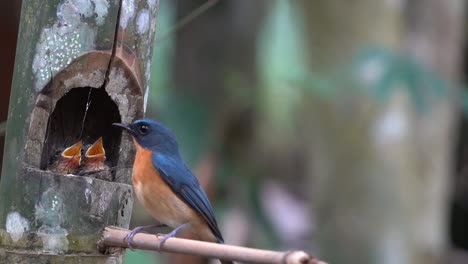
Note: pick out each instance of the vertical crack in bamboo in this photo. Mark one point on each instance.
(114, 45)
(114, 237)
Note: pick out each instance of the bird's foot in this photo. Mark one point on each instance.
(169, 235)
(129, 237)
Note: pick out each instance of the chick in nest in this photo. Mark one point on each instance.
(68, 160)
(94, 162)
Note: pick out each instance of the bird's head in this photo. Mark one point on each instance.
(152, 135)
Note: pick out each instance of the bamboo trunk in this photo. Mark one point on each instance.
(80, 65)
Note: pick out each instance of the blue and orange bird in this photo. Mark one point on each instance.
(165, 185)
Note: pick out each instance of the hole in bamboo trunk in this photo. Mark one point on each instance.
(84, 114)
(56, 121)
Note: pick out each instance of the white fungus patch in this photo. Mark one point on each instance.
(50, 208)
(88, 192)
(67, 38)
(112, 261)
(88, 195)
(128, 11)
(101, 8)
(152, 4)
(148, 72)
(145, 99)
(147, 78)
(54, 239)
(16, 225)
(49, 211)
(142, 21)
(84, 7)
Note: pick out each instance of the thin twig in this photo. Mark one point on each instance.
(187, 19)
(114, 237)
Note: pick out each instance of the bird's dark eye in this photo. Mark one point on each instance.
(144, 129)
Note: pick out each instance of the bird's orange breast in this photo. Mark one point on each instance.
(161, 202)
(156, 196)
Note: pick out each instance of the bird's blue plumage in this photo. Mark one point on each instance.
(164, 154)
(182, 182)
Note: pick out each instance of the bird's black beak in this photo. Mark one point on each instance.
(124, 126)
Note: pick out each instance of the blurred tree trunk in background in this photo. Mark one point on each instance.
(214, 72)
(215, 76)
(438, 43)
(459, 209)
(380, 168)
(215, 81)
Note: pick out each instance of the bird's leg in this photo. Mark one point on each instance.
(129, 237)
(169, 235)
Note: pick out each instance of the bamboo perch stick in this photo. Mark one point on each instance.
(114, 237)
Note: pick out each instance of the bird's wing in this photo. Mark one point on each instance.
(182, 182)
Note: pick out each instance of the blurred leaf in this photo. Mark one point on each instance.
(382, 71)
(378, 72)
(281, 52)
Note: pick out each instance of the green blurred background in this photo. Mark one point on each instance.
(336, 127)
